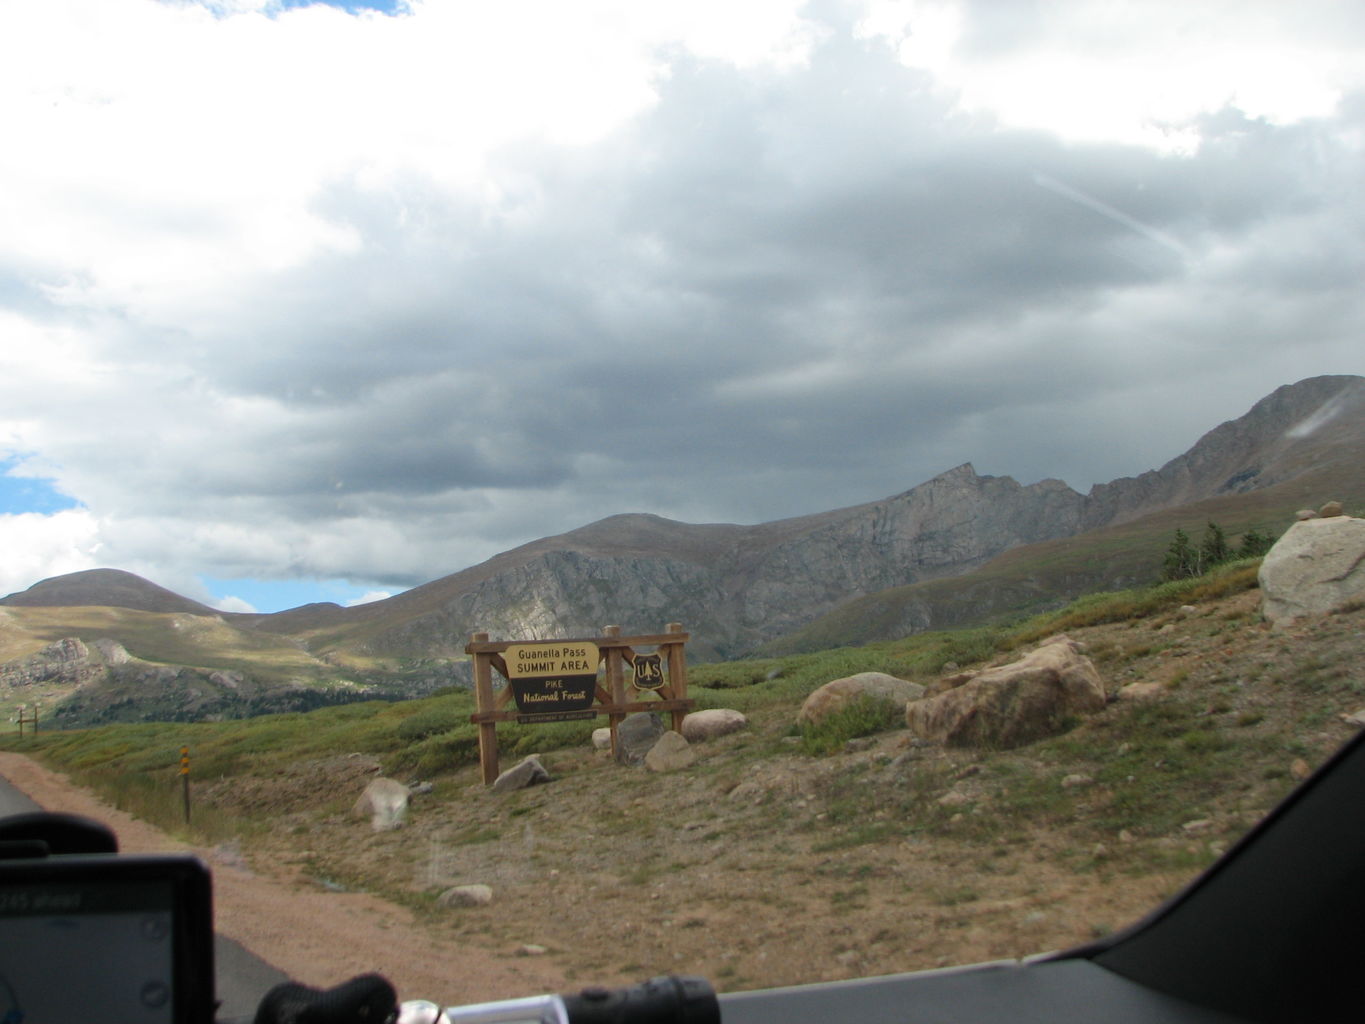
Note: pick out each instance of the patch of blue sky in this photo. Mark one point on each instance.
(351, 6)
(29, 494)
(226, 8)
(268, 596)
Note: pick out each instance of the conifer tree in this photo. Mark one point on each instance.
(1213, 549)
(1182, 561)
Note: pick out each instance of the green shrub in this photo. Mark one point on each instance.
(861, 716)
(431, 722)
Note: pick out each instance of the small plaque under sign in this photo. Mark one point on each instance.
(555, 716)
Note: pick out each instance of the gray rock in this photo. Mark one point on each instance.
(636, 735)
(670, 753)
(530, 772)
(384, 802)
(466, 896)
(1317, 567)
(1009, 705)
(712, 722)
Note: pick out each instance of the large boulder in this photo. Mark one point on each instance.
(1317, 567)
(838, 694)
(1039, 695)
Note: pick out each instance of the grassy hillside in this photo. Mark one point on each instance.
(786, 856)
(177, 638)
(795, 856)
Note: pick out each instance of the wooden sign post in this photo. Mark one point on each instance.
(557, 681)
(29, 720)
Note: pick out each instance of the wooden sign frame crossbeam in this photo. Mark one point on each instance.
(615, 651)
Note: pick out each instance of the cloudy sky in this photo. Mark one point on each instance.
(305, 301)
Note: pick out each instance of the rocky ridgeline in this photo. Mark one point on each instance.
(736, 587)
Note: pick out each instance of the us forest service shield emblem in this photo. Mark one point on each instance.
(649, 671)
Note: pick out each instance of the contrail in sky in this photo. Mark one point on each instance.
(1104, 209)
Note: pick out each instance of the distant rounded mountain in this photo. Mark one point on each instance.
(104, 588)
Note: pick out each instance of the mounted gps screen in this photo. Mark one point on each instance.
(105, 938)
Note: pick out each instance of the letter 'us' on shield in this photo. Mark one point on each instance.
(649, 671)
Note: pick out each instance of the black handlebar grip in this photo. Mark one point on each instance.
(366, 999)
(671, 999)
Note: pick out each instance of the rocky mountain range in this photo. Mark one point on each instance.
(736, 588)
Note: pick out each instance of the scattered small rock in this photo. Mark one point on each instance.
(466, 896)
(1141, 691)
(1299, 769)
(1197, 826)
(529, 772)
(750, 791)
(229, 854)
(1072, 781)
(531, 949)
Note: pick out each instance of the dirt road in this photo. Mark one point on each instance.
(315, 936)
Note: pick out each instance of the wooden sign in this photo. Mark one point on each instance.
(558, 678)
